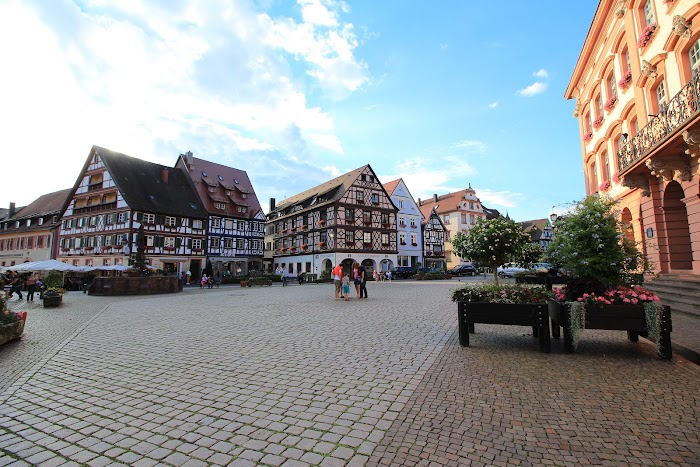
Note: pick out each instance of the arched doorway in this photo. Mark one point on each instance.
(326, 265)
(680, 253)
(369, 266)
(347, 266)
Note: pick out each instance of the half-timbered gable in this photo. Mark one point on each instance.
(433, 231)
(350, 217)
(236, 223)
(114, 195)
(409, 219)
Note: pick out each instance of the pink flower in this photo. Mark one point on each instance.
(626, 300)
(634, 301)
(643, 297)
(586, 295)
(580, 299)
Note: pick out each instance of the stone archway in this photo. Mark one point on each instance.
(347, 266)
(678, 234)
(370, 266)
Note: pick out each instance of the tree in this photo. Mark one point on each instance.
(532, 253)
(589, 244)
(492, 242)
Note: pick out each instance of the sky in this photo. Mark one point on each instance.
(443, 94)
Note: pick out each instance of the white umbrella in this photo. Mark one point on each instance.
(85, 268)
(22, 267)
(49, 265)
(116, 267)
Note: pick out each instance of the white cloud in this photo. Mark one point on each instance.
(153, 80)
(541, 73)
(532, 90)
(493, 105)
(472, 144)
(498, 199)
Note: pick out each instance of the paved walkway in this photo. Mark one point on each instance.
(288, 376)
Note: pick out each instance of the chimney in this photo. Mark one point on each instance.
(166, 175)
(435, 197)
(189, 160)
(418, 202)
(272, 204)
(12, 210)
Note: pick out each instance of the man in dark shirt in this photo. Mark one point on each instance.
(362, 273)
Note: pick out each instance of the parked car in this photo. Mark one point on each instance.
(510, 269)
(542, 267)
(463, 270)
(425, 270)
(402, 272)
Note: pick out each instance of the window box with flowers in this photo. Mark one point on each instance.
(283, 231)
(402, 224)
(321, 222)
(292, 230)
(605, 186)
(304, 246)
(438, 253)
(304, 227)
(283, 250)
(321, 244)
(598, 121)
(587, 137)
(414, 244)
(626, 80)
(646, 35)
(428, 253)
(402, 243)
(610, 103)
(616, 177)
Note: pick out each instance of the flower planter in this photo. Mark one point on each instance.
(518, 314)
(244, 283)
(12, 331)
(630, 318)
(52, 301)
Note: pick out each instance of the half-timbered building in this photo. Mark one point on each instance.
(236, 222)
(408, 226)
(114, 195)
(348, 219)
(433, 232)
(28, 234)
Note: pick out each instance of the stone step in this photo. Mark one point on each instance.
(681, 306)
(661, 288)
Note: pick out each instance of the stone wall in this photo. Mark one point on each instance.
(135, 285)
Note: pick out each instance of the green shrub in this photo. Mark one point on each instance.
(54, 279)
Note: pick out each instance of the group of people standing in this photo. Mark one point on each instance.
(341, 281)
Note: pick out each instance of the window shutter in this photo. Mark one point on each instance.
(160, 241)
(138, 216)
(189, 243)
(178, 242)
(160, 219)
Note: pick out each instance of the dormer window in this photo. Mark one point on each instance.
(16, 224)
(221, 178)
(29, 222)
(204, 174)
(235, 180)
(212, 189)
(41, 221)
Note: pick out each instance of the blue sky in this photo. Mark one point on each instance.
(443, 94)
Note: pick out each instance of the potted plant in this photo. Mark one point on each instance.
(11, 323)
(494, 303)
(53, 295)
(601, 263)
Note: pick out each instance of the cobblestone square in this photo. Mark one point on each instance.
(289, 376)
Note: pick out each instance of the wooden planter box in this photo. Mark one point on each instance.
(52, 301)
(630, 318)
(244, 283)
(259, 281)
(12, 331)
(526, 314)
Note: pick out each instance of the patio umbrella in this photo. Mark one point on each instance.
(49, 265)
(22, 267)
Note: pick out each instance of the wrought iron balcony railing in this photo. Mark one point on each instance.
(681, 108)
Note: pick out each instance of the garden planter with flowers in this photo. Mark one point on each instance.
(516, 305)
(11, 323)
(633, 309)
(602, 262)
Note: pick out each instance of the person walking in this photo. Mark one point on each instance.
(337, 273)
(15, 286)
(217, 279)
(362, 272)
(204, 280)
(300, 277)
(31, 287)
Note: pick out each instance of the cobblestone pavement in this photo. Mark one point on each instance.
(288, 376)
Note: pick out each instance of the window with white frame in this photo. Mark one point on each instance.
(401, 204)
(385, 239)
(413, 221)
(196, 224)
(228, 242)
(446, 219)
(402, 238)
(463, 215)
(196, 244)
(612, 86)
(627, 60)
(661, 97)
(599, 105)
(88, 262)
(360, 196)
(606, 166)
(694, 55)
(649, 13)
(149, 240)
(215, 223)
(215, 242)
(170, 221)
(106, 262)
(402, 221)
(472, 219)
(240, 244)
(414, 239)
(169, 242)
(123, 216)
(149, 218)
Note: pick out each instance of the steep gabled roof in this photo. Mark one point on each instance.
(491, 213)
(330, 191)
(221, 177)
(142, 185)
(391, 186)
(44, 205)
(449, 202)
(535, 228)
